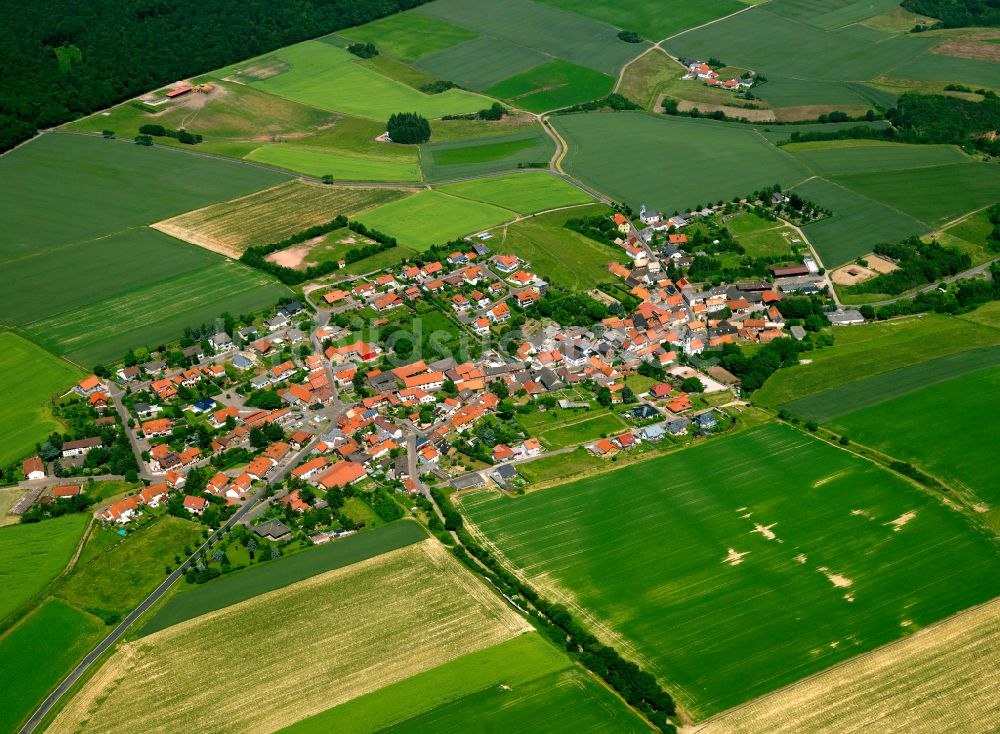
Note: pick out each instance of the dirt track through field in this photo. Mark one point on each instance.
(265, 663)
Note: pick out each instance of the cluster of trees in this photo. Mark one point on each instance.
(611, 102)
(408, 128)
(807, 312)
(672, 107)
(993, 238)
(919, 263)
(956, 13)
(385, 506)
(638, 687)
(597, 227)
(57, 508)
(158, 131)
(256, 257)
(963, 296)
(754, 371)
(495, 111)
(128, 48)
(363, 50)
(570, 309)
(437, 86)
(630, 36)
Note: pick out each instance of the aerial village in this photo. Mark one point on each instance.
(316, 401)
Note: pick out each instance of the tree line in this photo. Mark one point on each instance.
(956, 13)
(127, 47)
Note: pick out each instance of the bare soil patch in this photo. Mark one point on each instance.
(853, 273)
(974, 46)
(729, 110)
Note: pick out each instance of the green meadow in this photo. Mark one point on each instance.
(521, 685)
(458, 158)
(408, 36)
(524, 193)
(482, 62)
(252, 582)
(32, 555)
(35, 655)
(431, 217)
(846, 157)
(770, 541)
(318, 162)
(31, 377)
(327, 77)
(552, 86)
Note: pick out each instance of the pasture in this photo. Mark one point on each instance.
(928, 428)
(155, 313)
(943, 679)
(230, 227)
(858, 222)
(650, 18)
(36, 654)
(708, 160)
(560, 255)
(770, 541)
(431, 217)
(876, 348)
(648, 75)
(524, 193)
(32, 555)
(317, 162)
(408, 36)
(457, 158)
(518, 685)
(245, 585)
(117, 578)
(327, 77)
(25, 394)
(553, 86)
(356, 611)
(545, 29)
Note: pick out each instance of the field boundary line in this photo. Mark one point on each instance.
(861, 656)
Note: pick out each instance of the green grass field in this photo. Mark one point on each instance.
(318, 162)
(409, 36)
(453, 159)
(561, 466)
(759, 237)
(863, 351)
(327, 77)
(482, 62)
(624, 154)
(770, 541)
(520, 685)
(36, 654)
(155, 313)
(847, 157)
(524, 193)
(258, 580)
(552, 86)
(31, 377)
(932, 428)
(123, 575)
(431, 217)
(551, 31)
(830, 14)
(852, 396)
(559, 255)
(858, 222)
(32, 555)
(649, 17)
(934, 195)
(585, 428)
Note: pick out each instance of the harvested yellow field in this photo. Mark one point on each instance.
(230, 227)
(265, 663)
(944, 678)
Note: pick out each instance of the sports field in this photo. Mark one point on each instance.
(770, 541)
(520, 685)
(561, 256)
(31, 377)
(388, 618)
(932, 428)
(244, 585)
(318, 162)
(524, 193)
(327, 77)
(553, 86)
(650, 18)
(858, 222)
(409, 36)
(543, 28)
(271, 215)
(35, 655)
(452, 159)
(941, 679)
(32, 555)
(624, 155)
(155, 313)
(430, 218)
(876, 348)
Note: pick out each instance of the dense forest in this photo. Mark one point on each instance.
(958, 13)
(61, 59)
